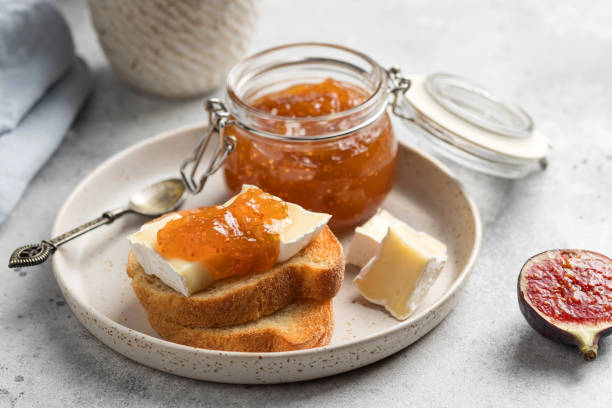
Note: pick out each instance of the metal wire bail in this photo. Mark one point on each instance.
(398, 87)
(218, 119)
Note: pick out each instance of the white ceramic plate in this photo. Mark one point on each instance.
(91, 269)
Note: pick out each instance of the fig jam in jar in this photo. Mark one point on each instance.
(313, 129)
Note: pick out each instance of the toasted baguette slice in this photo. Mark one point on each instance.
(299, 325)
(315, 273)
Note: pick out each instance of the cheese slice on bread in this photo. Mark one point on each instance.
(189, 277)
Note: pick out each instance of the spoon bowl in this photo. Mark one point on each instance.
(158, 198)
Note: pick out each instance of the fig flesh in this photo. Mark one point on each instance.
(566, 295)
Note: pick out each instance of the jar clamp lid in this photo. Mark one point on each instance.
(453, 116)
(470, 125)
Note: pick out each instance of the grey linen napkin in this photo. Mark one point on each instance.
(34, 116)
(35, 50)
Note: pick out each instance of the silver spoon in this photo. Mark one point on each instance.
(152, 201)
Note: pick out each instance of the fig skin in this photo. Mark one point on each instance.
(586, 341)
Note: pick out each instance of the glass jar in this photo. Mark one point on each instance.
(341, 163)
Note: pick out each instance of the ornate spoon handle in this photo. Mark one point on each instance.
(34, 254)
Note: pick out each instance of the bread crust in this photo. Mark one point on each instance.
(316, 273)
(298, 326)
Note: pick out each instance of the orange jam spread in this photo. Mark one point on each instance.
(308, 100)
(234, 239)
(347, 176)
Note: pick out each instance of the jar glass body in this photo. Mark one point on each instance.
(343, 164)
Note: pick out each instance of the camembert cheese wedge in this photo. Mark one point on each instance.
(405, 264)
(191, 277)
(367, 238)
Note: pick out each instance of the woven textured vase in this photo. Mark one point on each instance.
(174, 48)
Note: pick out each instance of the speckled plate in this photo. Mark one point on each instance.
(91, 269)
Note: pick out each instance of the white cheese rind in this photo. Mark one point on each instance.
(191, 277)
(399, 276)
(367, 238)
(304, 227)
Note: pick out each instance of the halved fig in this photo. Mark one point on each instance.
(566, 295)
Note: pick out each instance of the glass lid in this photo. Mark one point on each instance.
(472, 126)
(478, 106)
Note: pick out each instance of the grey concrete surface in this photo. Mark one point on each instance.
(554, 57)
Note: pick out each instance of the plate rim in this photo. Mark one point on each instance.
(458, 282)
